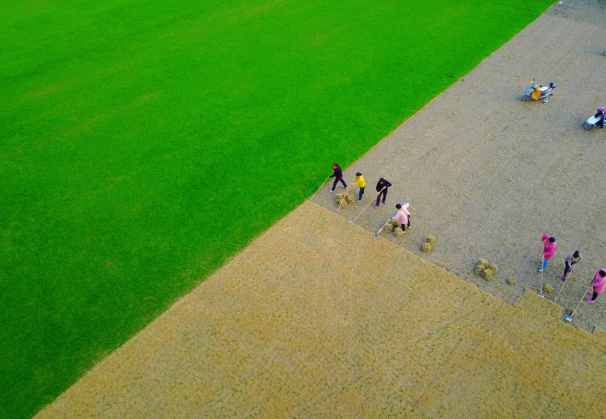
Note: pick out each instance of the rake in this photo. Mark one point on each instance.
(568, 276)
(541, 292)
(312, 197)
(569, 318)
(354, 220)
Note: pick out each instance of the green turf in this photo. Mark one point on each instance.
(144, 142)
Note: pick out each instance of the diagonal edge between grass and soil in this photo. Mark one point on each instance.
(120, 384)
(100, 237)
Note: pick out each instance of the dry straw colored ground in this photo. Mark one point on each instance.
(317, 319)
(488, 175)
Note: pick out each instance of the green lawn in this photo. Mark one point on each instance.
(145, 142)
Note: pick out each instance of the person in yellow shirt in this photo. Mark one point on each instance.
(536, 93)
(361, 183)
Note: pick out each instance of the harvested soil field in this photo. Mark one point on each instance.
(488, 174)
(317, 319)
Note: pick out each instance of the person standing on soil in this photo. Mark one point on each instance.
(571, 259)
(548, 250)
(361, 183)
(403, 215)
(382, 186)
(598, 284)
(337, 173)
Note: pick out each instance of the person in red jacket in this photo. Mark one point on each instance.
(337, 173)
(598, 284)
(549, 249)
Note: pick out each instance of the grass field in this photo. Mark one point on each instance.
(143, 143)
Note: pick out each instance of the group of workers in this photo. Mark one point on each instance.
(383, 185)
(403, 216)
(599, 280)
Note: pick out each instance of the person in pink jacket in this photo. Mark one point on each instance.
(549, 249)
(598, 284)
(403, 215)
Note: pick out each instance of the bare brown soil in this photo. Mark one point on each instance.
(488, 174)
(316, 319)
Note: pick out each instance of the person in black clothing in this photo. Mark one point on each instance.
(337, 173)
(382, 187)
